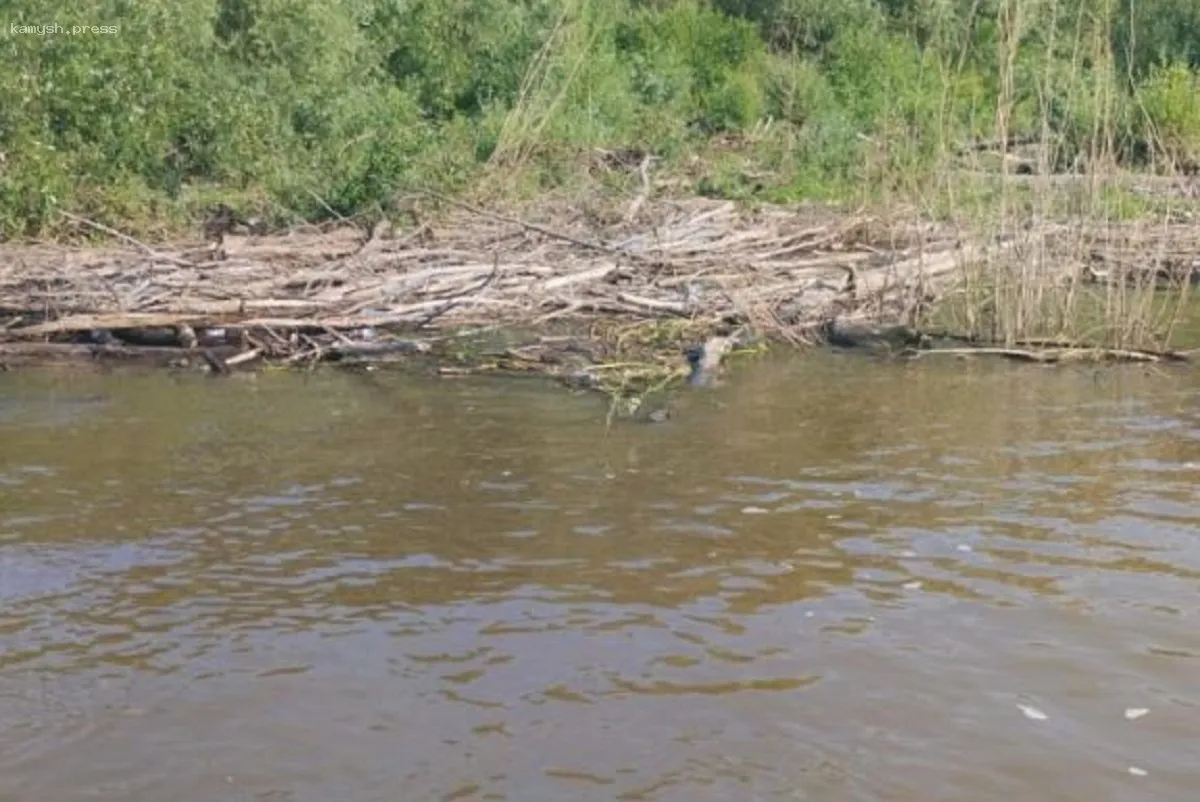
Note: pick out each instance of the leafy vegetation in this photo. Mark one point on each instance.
(308, 109)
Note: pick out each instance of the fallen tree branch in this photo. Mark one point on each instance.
(112, 232)
(1051, 356)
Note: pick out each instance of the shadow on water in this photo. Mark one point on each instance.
(830, 579)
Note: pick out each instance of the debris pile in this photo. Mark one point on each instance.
(596, 295)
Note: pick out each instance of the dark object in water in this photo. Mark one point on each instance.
(181, 336)
(159, 336)
(857, 334)
(697, 377)
(705, 360)
(215, 363)
(97, 337)
(580, 380)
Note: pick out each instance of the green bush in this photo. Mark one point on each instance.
(1170, 96)
(312, 108)
(1151, 33)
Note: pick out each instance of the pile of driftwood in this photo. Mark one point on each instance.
(698, 268)
(309, 295)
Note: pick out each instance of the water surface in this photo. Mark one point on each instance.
(830, 579)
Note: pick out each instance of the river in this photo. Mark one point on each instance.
(829, 579)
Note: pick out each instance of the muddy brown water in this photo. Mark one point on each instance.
(827, 580)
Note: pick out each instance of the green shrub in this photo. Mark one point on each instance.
(1170, 97)
(316, 108)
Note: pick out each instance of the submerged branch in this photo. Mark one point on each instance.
(1057, 355)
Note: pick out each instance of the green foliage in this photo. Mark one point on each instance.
(1150, 33)
(703, 63)
(309, 108)
(805, 26)
(457, 55)
(1170, 97)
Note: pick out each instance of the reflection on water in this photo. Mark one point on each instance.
(829, 580)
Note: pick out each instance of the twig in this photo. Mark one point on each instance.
(455, 299)
(652, 304)
(595, 246)
(337, 335)
(326, 206)
(245, 356)
(640, 200)
(114, 233)
(1060, 355)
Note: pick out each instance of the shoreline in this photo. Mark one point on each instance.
(613, 299)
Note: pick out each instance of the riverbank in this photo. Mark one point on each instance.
(608, 294)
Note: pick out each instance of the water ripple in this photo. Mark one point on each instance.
(835, 597)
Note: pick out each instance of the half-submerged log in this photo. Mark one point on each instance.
(844, 333)
(26, 354)
(364, 350)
